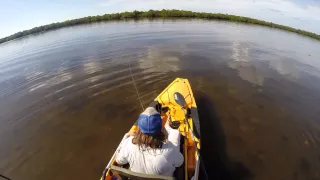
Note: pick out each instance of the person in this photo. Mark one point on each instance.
(153, 149)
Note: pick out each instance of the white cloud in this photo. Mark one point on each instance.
(110, 2)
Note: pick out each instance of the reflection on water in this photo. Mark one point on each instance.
(157, 60)
(67, 96)
(241, 56)
(58, 78)
(240, 52)
(92, 66)
(285, 67)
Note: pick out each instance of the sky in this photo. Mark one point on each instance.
(18, 15)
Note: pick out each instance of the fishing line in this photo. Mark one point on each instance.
(135, 86)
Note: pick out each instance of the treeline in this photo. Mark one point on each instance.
(155, 14)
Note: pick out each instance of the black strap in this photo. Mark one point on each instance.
(4, 177)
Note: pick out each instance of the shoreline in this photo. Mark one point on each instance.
(155, 14)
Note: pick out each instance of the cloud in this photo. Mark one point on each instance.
(274, 10)
(306, 3)
(110, 2)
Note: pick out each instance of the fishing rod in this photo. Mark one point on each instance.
(4, 177)
(179, 99)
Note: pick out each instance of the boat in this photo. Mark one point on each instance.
(178, 102)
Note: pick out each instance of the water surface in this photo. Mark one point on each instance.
(67, 96)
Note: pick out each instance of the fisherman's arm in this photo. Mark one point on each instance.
(122, 155)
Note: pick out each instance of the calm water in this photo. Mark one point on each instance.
(67, 97)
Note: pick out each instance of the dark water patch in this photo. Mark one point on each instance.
(304, 165)
(217, 163)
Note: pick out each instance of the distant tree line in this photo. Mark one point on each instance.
(155, 14)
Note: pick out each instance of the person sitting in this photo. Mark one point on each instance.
(152, 150)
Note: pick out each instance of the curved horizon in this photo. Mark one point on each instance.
(154, 14)
(20, 15)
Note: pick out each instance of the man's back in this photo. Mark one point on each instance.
(149, 161)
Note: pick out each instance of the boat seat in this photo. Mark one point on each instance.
(127, 174)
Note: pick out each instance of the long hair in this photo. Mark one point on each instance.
(145, 141)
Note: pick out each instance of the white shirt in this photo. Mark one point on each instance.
(159, 162)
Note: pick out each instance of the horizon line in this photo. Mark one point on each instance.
(144, 14)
